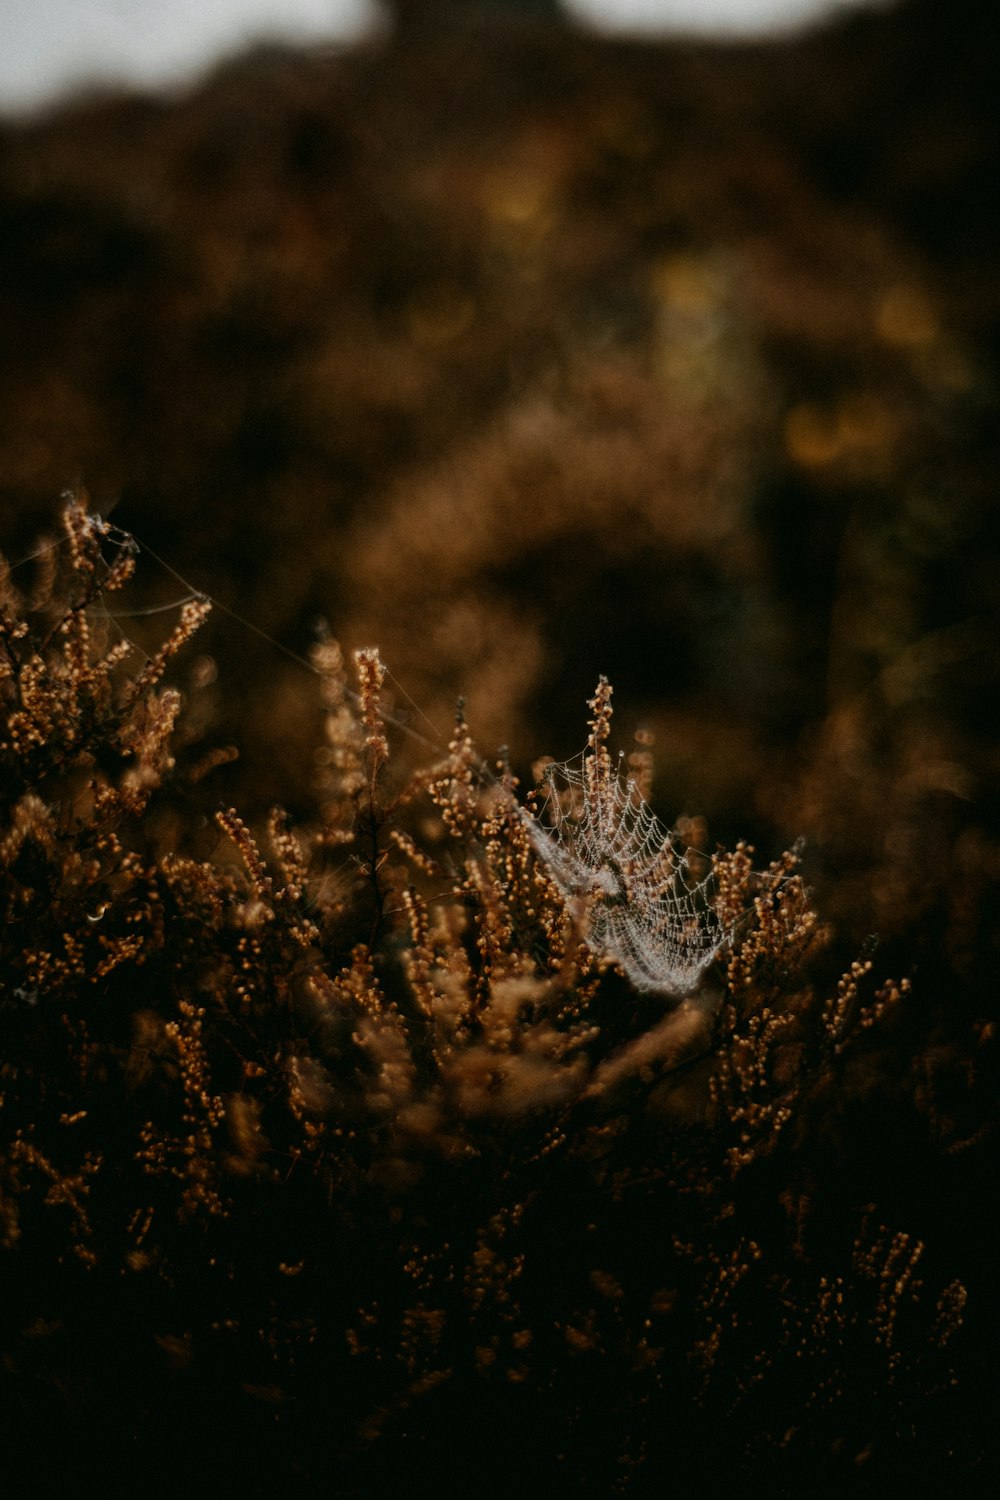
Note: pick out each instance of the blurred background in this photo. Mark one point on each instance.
(51, 47)
(532, 342)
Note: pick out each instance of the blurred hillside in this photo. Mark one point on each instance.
(530, 355)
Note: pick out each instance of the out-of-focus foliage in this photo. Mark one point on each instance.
(530, 356)
(340, 1158)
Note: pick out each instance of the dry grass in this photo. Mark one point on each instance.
(342, 1154)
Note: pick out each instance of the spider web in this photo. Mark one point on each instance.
(647, 901)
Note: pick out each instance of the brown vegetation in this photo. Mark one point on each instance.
(329, 1146)
(345, 1155)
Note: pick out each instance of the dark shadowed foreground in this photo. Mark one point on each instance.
(353, 1155)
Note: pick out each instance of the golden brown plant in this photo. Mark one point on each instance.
(367, 1121)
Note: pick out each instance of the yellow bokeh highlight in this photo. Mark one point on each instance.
(861, 423)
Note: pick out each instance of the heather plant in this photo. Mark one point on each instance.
(353, 1149)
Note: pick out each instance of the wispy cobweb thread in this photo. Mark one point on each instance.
(646, 901)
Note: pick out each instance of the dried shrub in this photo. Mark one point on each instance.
(345, 1154)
